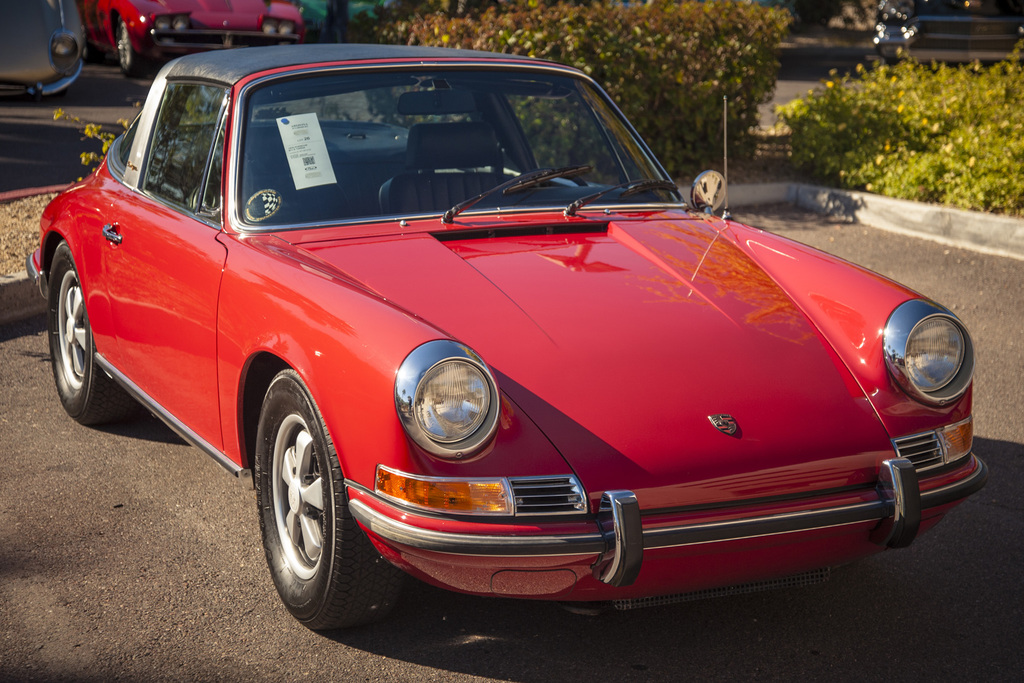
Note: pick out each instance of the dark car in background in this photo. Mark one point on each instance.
(140, 32)
(950, 30)
(315, 15)
(41, 45)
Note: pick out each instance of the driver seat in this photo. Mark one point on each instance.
(446, 163)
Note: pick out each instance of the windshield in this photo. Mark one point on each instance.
(338, 147)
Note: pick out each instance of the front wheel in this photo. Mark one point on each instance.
(132, 64)
(325, 569)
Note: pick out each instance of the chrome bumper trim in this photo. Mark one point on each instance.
(628, 533)
(200, 39)
(621, 549)
(38, 276)
(55, 87)
(492, 545)
(899, 489)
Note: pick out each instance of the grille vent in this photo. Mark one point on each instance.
(521, 231)
(806, 579)
(548, 495)
(923, 450)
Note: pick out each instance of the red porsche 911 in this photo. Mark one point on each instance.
(456, 319)
(142, 33)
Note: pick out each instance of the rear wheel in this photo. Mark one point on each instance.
(87, 394)
(325, 569)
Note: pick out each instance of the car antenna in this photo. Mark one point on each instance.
(725, 153)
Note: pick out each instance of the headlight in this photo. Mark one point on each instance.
(63, 51)
(929, 352)
(447, 399)
(162, 23)
(286, 27)
(269, 25)
(181, 23)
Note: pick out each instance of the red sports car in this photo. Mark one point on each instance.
(144, 31)
(454, 316)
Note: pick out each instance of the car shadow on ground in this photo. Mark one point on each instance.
(146, 427)
(884, 594)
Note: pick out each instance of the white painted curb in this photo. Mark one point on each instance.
(19, 298)
(983, 232)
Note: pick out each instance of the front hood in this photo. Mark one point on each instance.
(620, 341)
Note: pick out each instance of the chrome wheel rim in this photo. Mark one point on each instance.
(71, 330)
(298, 497)
(124, 47)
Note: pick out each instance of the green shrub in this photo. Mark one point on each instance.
(947, 134)
(666, 64)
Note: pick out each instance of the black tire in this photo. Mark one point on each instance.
(92, 54)
(131, 63)
(325, 569)
(87, 394)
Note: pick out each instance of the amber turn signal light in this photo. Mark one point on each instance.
(469, 496)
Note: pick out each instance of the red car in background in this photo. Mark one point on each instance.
(458, 321)
(144, 31)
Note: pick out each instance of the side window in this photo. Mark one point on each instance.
(212, 194)
(182, 136)
(124, 149)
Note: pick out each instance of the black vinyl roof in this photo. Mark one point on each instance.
(229, 66)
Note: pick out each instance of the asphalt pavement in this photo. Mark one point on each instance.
(127, 555)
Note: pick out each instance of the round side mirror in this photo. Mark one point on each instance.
(708, 193)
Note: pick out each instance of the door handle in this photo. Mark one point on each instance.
(112, 232)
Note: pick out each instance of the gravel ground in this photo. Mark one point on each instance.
(19, 231)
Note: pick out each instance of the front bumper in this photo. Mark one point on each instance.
(194, 40)
(36, 274)
(616, 541)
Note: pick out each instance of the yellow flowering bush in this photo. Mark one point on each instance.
(952, 135)
(666, 64)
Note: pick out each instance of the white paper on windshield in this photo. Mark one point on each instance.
(306, 150)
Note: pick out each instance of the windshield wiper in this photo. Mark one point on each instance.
(628, 188)
(518, 184)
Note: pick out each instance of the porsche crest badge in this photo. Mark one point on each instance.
(724, 423)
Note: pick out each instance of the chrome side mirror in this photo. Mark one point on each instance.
(709, 192)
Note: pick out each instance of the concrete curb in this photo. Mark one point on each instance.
(982, 232)
(19, 298)
(13, 195)
(975, 230)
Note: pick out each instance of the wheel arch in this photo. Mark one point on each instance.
(51, 241)
(260, 371)
(111, 28)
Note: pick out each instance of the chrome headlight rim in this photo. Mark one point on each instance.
(903, 323)
(64, 51)
(418, 366)
(181, 22)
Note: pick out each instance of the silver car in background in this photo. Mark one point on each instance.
(949, 30)
(41, 45)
